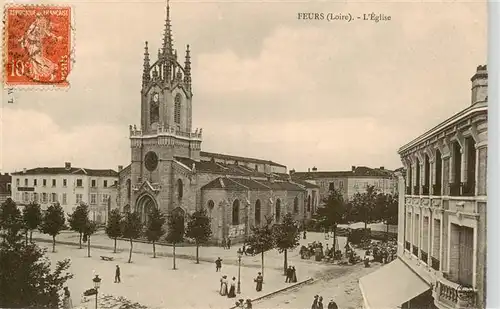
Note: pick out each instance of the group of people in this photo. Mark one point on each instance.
(291, 274)
(244, 305)
(227, 288)
(226, 243)
(318, 303)
(317, 250)
(382, 252)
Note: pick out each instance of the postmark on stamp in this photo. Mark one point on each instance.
(37, 45)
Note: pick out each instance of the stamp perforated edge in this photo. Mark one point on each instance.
(72, 54)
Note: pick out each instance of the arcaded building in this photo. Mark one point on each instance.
(442, 231)
(168, 170)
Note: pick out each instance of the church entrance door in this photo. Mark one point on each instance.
(143, 206)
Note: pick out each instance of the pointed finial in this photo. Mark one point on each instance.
(187, 66)
(167, 35)
(145, 74)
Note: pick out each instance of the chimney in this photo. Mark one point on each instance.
(353, 168)
(120, 168)
(480, 85)
(382, 168)
(314, 169)
(67, 165)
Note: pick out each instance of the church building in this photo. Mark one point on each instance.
(168, 170)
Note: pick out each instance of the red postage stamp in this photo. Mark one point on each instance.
(37, 46)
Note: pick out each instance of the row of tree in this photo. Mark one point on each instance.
(130, 226)
(26, 276)
(367, 207)
(51, 222)
(282, 236)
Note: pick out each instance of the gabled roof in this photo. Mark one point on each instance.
(125, 170)
(220, 168)
(224, 183)
(237, 158)
(242, 184)
(69, 171)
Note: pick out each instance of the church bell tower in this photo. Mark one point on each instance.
(166, 87)
(166, 102)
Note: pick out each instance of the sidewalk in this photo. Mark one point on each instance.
(272, 259)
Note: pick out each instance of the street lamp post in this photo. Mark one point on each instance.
(240, 254)
(97, 284)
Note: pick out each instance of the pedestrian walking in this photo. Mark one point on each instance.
(304, 234)
(332, 305)
(223, 286)
(288, 274)
(117, 274)
(248, 304)
(320, 302)
(315, 302)
(232, 289)
(259, 280)
(67, 303)
(244, 249)
(229, 243)
(294, 274)
(218, 264)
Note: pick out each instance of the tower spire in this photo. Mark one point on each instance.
(167, 35)
(187, 66)
(145, 74)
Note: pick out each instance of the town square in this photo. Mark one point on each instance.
(172, 154)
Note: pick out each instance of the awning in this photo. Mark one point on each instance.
(391, 286)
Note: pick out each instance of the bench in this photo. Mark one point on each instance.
(106, 258)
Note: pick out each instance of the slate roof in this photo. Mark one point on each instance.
(237, 158)
(72, 170)
(306, 184)
(359, 171)
(242, 184)
(220, 168)
(224, 183)
(282, 186)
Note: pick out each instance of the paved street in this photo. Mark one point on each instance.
(340, 283)
(147, 280)
(153, 283)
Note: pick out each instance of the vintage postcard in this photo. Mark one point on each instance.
(249, 154)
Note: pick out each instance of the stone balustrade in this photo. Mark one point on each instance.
(453, 295)
(164, 130)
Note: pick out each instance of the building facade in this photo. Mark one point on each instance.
(350, 182)
(5, 187)
(169, 171)
(69, 186)
(442, 241)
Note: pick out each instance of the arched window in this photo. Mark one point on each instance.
(210, 205)
(309, 203)
(257, 212)
(177, 108)
(180, 189)
(129, 189)
(278, 210)
(236, 212)
(296, 205)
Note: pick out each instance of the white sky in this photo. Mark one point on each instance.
(266, 85)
